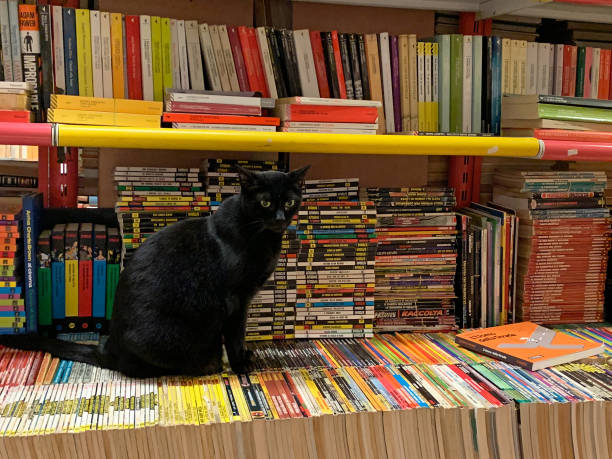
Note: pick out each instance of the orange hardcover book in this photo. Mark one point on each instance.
(220, 119)
(528, 345)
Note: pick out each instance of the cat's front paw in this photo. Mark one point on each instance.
(244, 364)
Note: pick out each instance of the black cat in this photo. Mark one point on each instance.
(186, 290)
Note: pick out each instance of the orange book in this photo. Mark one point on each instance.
(528, 345)
(605, 62)
(200, 118)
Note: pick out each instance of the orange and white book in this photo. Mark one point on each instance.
(528, 345)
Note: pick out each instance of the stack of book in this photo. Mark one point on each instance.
(15, 102)
(416, 258)
(230, 111)
(342, 189)
(564, 242)
(104, 112)
(151, 198)
(335, 279)
(12, 305)
(332, 116)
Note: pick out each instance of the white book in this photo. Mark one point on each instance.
(58, 49)
(301, 100)
(5, 34)
(311, 124)
(542, 61)
(595, 73)
(551, 68)
(210, 62)
(214, 99)
(329, 131)
(225, 127)
(385, 65)
(146, 58)
(183, 60)
(174, 54)
(219, 58)
(264, 50)
(467, 84)
(476, 84)
(532, 68)
(228, 57)
(96, 53)
(14, 86)
(13, 13)
(107, 63)
(558, 70)
(305, 61)
(522, 54)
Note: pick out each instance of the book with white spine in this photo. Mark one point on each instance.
(210, 62)
(385, 66)
(183, 59)
(328, 130)
(213, 99)
(228, 57)
(224, 127)
(467, 84)
(558, 70)
(13, 16)
(266, 60)
(531, 86)
(146, 57)
(5, 35)
(301, 100)
(477, 84)
(322, 125)
(96, 53)
(219, 58)
(305, 61)
(595, 73)
(107, 65)
(542, 60)
(174, 54)
(551, 68)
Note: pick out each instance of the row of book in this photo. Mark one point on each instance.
(78, 271)
(12, 303)
(390, 396)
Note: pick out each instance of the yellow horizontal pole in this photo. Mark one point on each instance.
(188, 139)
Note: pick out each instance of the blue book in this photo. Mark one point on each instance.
(12, 313)
(70, 52)
(98, 305)
(12, 331)
(58, 272)
(10, 290)
(496, 85)
(31, 209)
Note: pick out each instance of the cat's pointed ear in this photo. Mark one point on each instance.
(297, 175)
(247, 177)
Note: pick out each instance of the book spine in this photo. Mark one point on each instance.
(96, 54)
(249, 62)
(107, 64)
(404, 75)
(522, 56)
(31, 208)
(363, 67)
(134, 66)
(277, 62)
(241, 73)
(117, 57)
(319, 63)
(261, 85)
(558, 86)
(124, 45)
(5, 36)
(569, 71)
(45, 314)
(84, 57)
(515, 65)
(46, 53)
(496, 85)
(604, 74)
(456, 84)
(434, 87)
(16, 46)
(70, 52)
(346, 66)
(166, 57)
(182, 54)
(421, 85)
(58, 278)
(338, 62)
(219, 59)
(506, 70)
(99, 288)
(30, 53)
(542, 61)
(595, 72)
(85, 284)
(176, 66)
(355, 67)
(332, 75)
(532, 72)
(293, 61)
(477, 84)
(387, 85)
(444, 79)
(228, 58)
(588, 68)
(551, 68)
(580, 71)
(210, 61)
(373, 66)
(264, 48)
(395, 83)
(487, 52)
(467, 85)
(309, 84)
(194, 55)
(157, 58)
(468, 344)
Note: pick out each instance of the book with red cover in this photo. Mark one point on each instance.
(134, 68)
(588, 65)
(234, 39)
(252, 59)
(604, 74)
(570, 60)
(214, 109)
(85, 269)
(563, 150)
(338, 60)
(578, 136)
(528, 345)
(327, 113)
(319, 62)
(16, 116)
(220, 119)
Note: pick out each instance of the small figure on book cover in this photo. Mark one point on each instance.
(185, 292)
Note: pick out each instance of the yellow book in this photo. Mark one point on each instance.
(166, 50)
(428, 77)
(434, 87)
(84, 61)
(156, 52)
(243, 407)
(234, 411)
(341, 394)
(12, 322)
(117, 55)
(100, 104)
(224, 411)
(259, 379)
(92, 118)
(421, 85)
(318, 397)
(201, 407)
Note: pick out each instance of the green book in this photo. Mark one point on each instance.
(557, 112)
(456, 83)
(443, 82)
(156, 52)
(113, 267)
(580, 71)
(166, 48)
(43, 255)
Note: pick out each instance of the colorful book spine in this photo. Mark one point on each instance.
(166, 55)
(71, 260)
(580, 71)
(228, 57)
(29, 30)
(428, 77)
(133, 56)
(604, 74)
(84, 57)
(346, 66)
(113, 260)
(85, 269)
(588, 68)
(117, 56)
(43, 254)
(234, 39)
(58, 272)
(31, 208)
(99, 272)
(496, 85)
(338, 63)
(421, 85)
(46, 58)
(395, 82)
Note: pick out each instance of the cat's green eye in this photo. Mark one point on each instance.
(289, 204)
(265, 203)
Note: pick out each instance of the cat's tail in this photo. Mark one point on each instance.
(65, 350)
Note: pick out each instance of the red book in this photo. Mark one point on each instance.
(338, 60)
(134, 68)
(215, 109)
(328, 113)
(570, 57)
(604, 74)
(259, 70)
(85, 269)
(319, 62)
(588, 64)
(579, 136)
(576, 150)
(220, 119)
(243, 79)
(252, 61)
(15, 116)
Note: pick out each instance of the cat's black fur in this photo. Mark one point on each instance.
(186, 290)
